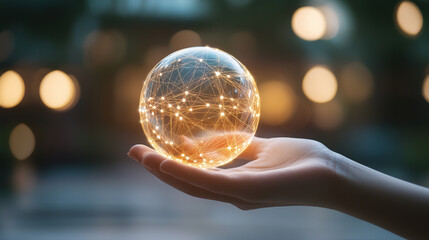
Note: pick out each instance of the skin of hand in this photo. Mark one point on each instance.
(290, 171)
(281, 171)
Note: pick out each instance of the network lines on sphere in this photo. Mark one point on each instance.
(199, 106)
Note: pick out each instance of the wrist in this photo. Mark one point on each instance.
(337, 178)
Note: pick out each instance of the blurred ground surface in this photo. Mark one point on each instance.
(126, 202)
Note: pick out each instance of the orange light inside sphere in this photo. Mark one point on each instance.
(199, 106)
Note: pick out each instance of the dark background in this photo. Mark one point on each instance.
(79, 183)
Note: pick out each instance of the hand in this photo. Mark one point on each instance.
(287, 171)
(281, 171)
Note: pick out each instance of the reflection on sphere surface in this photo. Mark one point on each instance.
(199, 106)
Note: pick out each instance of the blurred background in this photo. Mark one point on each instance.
(351, 74)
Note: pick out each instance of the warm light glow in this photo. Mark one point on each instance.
(277, 102)
(309, 23)
(356, 82)
(319, 84)
(21, 142)
(58, 91)
(12, 89)
(184, 39)
(425, 88)
(220, 113)
(409, 18)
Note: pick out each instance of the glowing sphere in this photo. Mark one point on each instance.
(199, 106)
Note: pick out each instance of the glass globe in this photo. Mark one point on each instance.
(199, 106)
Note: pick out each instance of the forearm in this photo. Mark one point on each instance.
(393, 204)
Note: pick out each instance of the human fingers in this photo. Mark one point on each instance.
(151, 160)
(191, 189)
(213, 181)
(138, 151)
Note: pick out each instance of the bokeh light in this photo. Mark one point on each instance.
(59, 91)
(356, 82)
(12, 89)
(309, 23)
(277, 102)
(184, 39)
(319, 84)
(409, 18)
(328, 116)
(425, 88)
(22, 142)
(199, 106)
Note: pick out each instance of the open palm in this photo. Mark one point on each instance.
(281, 171)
